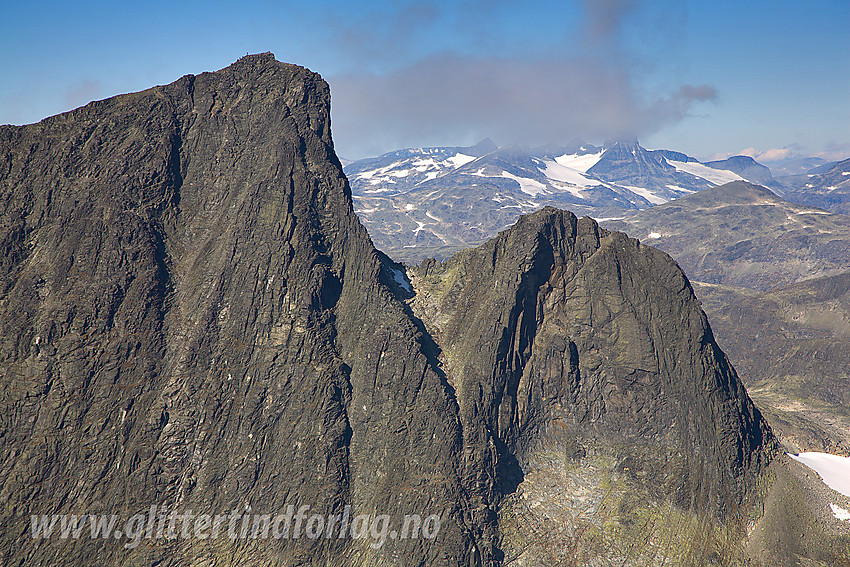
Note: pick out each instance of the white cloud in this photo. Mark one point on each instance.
(450, 98)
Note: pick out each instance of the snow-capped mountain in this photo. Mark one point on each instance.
(425, 202)
(406, 168)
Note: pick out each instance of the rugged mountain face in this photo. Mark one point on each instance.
(744, 235)
(584, 345)
(751, 256)
(574, 292)
(193, 317)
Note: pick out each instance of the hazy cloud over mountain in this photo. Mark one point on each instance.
(446, 98)
(586, 88)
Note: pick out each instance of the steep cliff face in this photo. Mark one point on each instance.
(191, 316)
(559, 319)
(589, 361)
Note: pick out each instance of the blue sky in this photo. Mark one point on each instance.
(770, 78)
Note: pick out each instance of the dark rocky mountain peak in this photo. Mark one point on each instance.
(192, 316)
(523, 321)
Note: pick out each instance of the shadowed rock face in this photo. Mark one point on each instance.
(192, 316)
(557, 320)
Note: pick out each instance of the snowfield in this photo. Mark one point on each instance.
(840, 512)
(400, 169)
(646, 194)
(400, 280)
(528, 186)
(833, 469)
(559, 172)
(579, 163)
(716, 176)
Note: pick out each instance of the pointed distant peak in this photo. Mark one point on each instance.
(622, 147)
(625, 142)
(485, 146)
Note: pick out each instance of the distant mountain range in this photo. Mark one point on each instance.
(824, 187)
(743, 235)
(430, 202)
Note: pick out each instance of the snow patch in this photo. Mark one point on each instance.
(559, 172)
(423, 164)
(578, 162)
(654, 235)
(840, 512)
(528, 186)
(398, 276)
(716, 176)
(833, 469)
(677, 188)
(458, 160)
(647, 194)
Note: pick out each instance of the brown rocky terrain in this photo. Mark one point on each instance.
(743, 235)
(790, 343)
